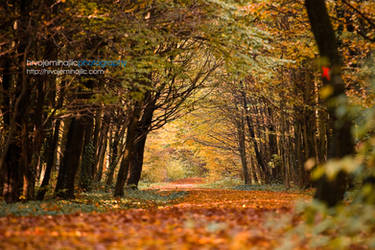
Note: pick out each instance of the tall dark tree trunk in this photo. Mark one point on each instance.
(71, 159)
(122, 175)
(51, 53)
(75, 140)
(242, 148)
(85, 181)
(142, 130)
(258, 155)
(136, 136)
(5, 175)
(14, 177)
(15, 155)
(137, 164)
(129, 156)
(115, 154)
(340, 141)
(52, 144)
(96, 141)
(51, 160)
(44, 95)
(102, 149)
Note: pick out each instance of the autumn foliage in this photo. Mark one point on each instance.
(205, 219)
(224, 115)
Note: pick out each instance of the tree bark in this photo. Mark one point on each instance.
(137, 131)
(129, 156)
(52, 148)
(71, 159)
(85, 181)
(14, 158)
(51, 156)
(340, 141)
(242, 149)
(258, 154)
(96, 141)
(102, 150)
(115, 155)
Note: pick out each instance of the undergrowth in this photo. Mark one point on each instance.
(92, 202)
(236, 184)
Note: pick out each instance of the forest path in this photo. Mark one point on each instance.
(187, 184)
(204, 219)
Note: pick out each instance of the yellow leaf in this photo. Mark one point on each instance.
(326, 91)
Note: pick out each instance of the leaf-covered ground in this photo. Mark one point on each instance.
(204, 219)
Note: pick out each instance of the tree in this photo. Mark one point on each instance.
(340, 140)
(24, 99)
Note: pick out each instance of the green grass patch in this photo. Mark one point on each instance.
(148, 185)
(236, 184)
(225, 183)
(90, 202)
(268, 187)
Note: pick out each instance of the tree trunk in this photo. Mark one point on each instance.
(340, 141)
(136, 165)
(242, 148)
(129, 156)
(258, 154)
(102, 150)
(137, 131)
(96, 141)
(14, 158)
(85, 181)
(51, 161)
(142, 130)
(71, 159)
(52, 148)
(272, 142)
(114, 157)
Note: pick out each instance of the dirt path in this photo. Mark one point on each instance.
(187, 184)
(205, 219)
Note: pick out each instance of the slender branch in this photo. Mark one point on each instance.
(360, 13)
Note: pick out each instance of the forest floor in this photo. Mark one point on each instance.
(202, 219)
